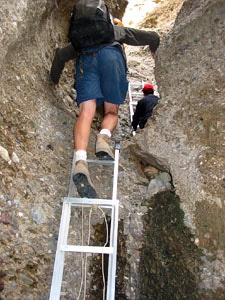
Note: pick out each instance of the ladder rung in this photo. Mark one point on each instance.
(87, 249)
(90, 201)
(101, 161)
(135, 84)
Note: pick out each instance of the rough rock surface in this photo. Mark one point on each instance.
(185, 138)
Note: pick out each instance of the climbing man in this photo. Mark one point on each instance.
(144, 107)
(100, 79)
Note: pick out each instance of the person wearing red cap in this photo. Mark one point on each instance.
(144, 107)
(148, 86)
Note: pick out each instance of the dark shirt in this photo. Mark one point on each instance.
(144, 110)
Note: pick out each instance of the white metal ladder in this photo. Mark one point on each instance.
(111, 250)
(134, 96)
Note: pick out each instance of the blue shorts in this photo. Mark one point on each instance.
(102, 76)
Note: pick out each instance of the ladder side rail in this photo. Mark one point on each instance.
(60, 255)
(71, 184)
(113, 231)
(131, 107)
(111, 261)
(111, 275)
(57, 276)
(113, 257)
(130, 102)
(115, 172)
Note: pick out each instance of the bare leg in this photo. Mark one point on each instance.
(110, 118)
(109, 122)
(82, 128)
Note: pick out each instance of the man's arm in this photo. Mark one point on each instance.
(137, 37)
(62, 55)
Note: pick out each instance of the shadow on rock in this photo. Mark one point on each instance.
(169, 258)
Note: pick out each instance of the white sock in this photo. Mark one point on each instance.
(106, 131)
(81, 155)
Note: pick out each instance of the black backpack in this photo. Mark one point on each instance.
(90, 25)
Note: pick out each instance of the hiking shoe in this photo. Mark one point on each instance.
(82, 180)
(103, 150)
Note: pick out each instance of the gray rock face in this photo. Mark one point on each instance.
(185, 136)
(188, 131)
(190, 61)
(161, 182)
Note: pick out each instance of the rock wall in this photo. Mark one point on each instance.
(189, 72)
(188, 129)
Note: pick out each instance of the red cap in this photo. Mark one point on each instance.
(148, 86)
